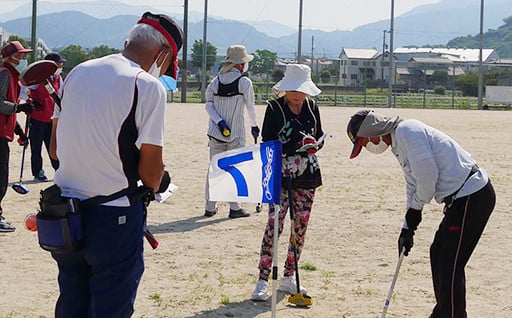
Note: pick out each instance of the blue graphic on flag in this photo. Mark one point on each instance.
(247, 174)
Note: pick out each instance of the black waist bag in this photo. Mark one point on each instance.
(59, 222)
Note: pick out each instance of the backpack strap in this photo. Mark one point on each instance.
(274, 105)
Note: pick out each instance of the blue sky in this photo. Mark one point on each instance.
(324, 15)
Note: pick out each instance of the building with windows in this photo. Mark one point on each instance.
(414, 67)
(358, 67)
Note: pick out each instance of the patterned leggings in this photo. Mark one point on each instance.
(303, 200)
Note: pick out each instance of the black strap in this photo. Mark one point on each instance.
(100, 199)
(228, 90)
(449, 199)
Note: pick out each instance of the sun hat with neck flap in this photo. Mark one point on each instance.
(237, 54)
(297, 77)
(170, 30)
(367, 123)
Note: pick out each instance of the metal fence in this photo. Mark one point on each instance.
(398, 100)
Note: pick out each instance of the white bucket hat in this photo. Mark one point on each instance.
(297, 77)
(237, 54)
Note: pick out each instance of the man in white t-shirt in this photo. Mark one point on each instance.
(108, 136)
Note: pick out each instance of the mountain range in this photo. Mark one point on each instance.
(87, 25)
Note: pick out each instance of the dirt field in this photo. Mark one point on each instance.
(207, 267)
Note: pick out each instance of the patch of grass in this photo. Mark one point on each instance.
(157, 299)
(327, 276)
(224, 299)
(308, 266)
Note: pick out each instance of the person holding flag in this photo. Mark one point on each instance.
(293, 119)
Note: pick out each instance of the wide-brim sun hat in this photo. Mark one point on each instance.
(237, 54)
(367, 123)
(297, 77)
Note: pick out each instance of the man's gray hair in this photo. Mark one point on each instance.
(146, 35)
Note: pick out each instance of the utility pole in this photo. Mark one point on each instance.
(184, 56)
(33, 40)
(203, 69)
(391, 77)
(312, 58)
(383, 56)
(299, 50)
(480, 56)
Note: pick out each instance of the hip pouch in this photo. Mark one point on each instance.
(59, 222)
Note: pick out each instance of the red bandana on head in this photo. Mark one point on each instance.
(156, 24)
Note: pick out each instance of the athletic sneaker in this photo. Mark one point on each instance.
(260, 293)
(41, 177)
(289, 286)
(5, 226)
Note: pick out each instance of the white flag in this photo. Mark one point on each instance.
(247, 174)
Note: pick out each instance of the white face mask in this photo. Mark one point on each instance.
(376, 148)
(246, 67)
(58, 71)
(21, 65)
(155, 70)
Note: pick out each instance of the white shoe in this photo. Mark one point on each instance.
(260, 293)
(289, 286)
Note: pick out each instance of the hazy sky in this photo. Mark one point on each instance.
(325, 15)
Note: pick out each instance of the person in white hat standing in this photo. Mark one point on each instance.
(226, 97)
(294, 119)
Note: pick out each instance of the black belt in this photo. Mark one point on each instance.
(449, 199)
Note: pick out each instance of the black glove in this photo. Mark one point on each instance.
(224, 129)
(23, 139)
(165, 182)
(36, 104)
(25, 107)
(255, 131)
(413, 218)
(405, 241)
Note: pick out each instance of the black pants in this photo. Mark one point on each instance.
(40, 133)
(454, 242)
(4, 169)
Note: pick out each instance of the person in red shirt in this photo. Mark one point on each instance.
(41, 119)
(13, 62)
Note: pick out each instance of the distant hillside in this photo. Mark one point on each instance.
(500, 39)
(435, 24)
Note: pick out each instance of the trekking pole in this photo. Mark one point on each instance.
(19, 187)
(390, 293)
(277, 209)
(298, 299)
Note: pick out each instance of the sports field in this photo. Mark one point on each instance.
(207, 267)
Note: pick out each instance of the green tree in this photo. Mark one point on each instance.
(440, 77)
(277, 75)
(102, 50)
(467, 83)
(197, 54)
(263, 62)
(325, 76)
(74, 54)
